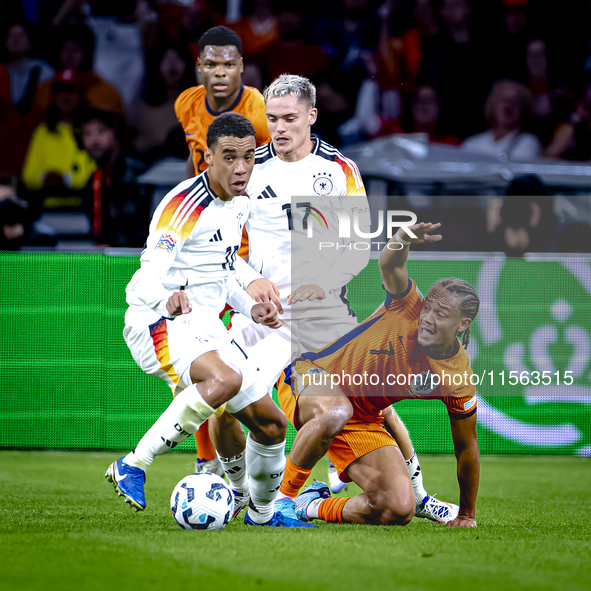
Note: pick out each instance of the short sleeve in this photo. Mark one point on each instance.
(409, 303)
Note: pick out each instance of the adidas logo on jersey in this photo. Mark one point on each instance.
(216, 237)
(267, 193)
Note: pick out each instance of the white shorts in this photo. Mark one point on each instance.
(272, 350)
(167, 349)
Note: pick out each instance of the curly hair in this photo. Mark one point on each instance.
(469, 302)
(219, 37)
(229, 124)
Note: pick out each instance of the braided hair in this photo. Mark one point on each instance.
(469, 301)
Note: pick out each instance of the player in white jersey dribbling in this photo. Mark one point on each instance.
(173, 330)
(296, 163)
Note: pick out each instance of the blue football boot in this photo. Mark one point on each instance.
(129, 482)
(284, 516)
(317, 490)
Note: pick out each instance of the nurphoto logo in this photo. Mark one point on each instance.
(388, 218)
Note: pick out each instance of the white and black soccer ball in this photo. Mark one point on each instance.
(202, 501)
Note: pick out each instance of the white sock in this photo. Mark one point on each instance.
(312, 510)
(416, 477)
(235, 470)
(265, 465)
(184, 415)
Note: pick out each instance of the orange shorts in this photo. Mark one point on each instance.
(356, 439)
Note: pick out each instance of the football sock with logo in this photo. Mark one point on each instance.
(182, 418)
(205, 448)
(265, 465)
(235, 470)
(416, 477)
(293, 479)
(329, 510)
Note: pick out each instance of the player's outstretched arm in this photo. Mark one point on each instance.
(393, 256)
(463, 432)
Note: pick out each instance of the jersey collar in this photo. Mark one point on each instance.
(207, 186)
(230, 108)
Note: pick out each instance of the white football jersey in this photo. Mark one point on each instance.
(193, 244)
(325, 173)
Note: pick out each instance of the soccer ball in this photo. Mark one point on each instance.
(202, 501)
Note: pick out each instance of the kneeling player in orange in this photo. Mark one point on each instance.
(338, 397)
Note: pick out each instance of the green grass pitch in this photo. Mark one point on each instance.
(63, 528)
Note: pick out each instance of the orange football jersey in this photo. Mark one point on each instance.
(386, 365)
(195, 115)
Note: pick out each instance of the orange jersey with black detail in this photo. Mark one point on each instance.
(195, 115)
(383, 358)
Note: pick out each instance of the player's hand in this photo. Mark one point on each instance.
(178, 303)
(306, 292)
(462, 521)
(265, 313)
(421, 232)
(263, 290)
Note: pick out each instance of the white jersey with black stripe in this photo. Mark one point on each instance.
(193, 242)
(324, 172)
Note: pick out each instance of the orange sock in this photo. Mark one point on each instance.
(331, 510)
(293, 479)
(205, 449)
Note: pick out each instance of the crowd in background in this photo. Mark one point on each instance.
(87, 87)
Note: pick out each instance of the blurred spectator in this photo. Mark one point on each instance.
(456, 62)
(349, 31)
(118, 55)
(572, 140)
(552, 98)
(513, 38)
(170, 70)
(371, 115)
(184, 21)
(253, 76)
(424, 117)
(20, 75)
(258, 28)
(16, 225)
(508, 110)
(73, 59)
(54, 165)
(524, 221)
(400, 52)
(291, 53)
(24, 71)
(334, 108)
(117, 210)
(536, 61)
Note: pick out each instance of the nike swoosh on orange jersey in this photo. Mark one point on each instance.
(389, 351)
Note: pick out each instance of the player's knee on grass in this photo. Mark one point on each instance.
(386, 508)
